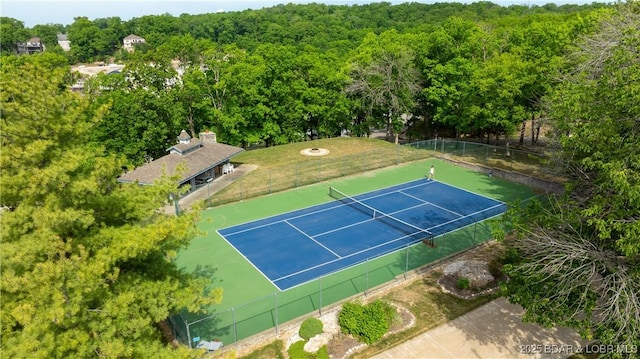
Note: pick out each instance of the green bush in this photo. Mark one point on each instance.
(310, 327)
(369, 322)
(463, 283)
(296, 350)
(323, 353)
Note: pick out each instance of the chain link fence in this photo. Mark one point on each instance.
(270, 312)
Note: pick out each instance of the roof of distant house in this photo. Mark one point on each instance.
(133, 37)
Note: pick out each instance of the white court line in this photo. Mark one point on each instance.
(467, 216)
(248, 260)
(311, 238)
(432, 204)
(350, 255)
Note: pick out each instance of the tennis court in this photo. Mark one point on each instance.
(296, 247)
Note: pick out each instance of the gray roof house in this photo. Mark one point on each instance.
(203, 159)
(129, 42)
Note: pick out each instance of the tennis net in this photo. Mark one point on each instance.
(415, 232)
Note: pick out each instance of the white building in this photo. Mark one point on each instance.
(131, 41)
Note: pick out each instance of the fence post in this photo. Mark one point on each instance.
(275, 301)
(235, 328)
(186, 325)
(241, 190)
(296, 176)
(320, 295)
(475, 226)
(270, 181)
(366, 274)
(406, 264)
(435, 145)
(319, 169)
(464, 146)
(397, 155)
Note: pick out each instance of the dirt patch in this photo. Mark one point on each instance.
(449, 285)
(341, 344)
(488, 253)
(314, 152)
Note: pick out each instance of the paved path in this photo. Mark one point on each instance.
(492, 331)
(216, 185)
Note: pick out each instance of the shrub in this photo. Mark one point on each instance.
(296, 350)
(368, 323)
(310, 327)
(323, 353)
(463, 283)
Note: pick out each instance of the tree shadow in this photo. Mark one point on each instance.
(499, 324)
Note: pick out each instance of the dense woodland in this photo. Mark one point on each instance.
(293, 72)
(76, 281)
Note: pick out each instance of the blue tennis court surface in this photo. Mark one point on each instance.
(296, 247)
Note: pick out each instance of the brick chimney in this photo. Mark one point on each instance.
(208, 137)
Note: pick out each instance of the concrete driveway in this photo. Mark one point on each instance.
(492, 331)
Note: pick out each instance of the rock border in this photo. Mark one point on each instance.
(476, 294)
(399, 309)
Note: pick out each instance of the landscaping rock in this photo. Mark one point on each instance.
(317, 341)
(477, 272)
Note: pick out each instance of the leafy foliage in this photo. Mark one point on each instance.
(580, 254)
(367, 322)
(310, 327)
(87, 263)
(462, 283)
(296, 351)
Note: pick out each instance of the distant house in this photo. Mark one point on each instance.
(32, 46)
(64, 43)
(131, 41)
(203, 159)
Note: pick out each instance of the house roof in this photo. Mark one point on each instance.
(195, 162)
(133, 37)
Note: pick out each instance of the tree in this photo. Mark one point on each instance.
(87, 263)
(12, 31)
(384, 80)
(87, 41)
(577, 261)
(453, 53)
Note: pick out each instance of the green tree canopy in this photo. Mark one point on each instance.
(579, 258)
(87, 263)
